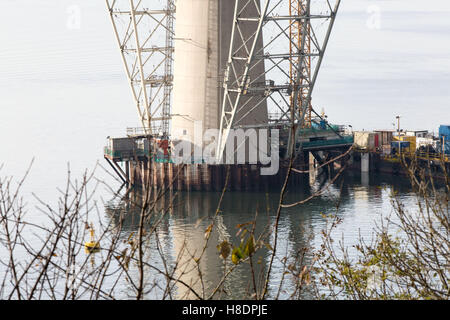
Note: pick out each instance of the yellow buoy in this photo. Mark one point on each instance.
(92, 246)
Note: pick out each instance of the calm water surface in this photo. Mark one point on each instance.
(363, 202)
(63, 91)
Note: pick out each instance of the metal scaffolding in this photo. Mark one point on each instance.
(144, 30)
(300, 34)
(289, 38)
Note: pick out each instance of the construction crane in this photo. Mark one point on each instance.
(300, 34)
(294, 36)
(140, 27)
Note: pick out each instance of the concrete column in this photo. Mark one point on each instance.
(365, 162)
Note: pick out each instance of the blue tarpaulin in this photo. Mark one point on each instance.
(444, 137)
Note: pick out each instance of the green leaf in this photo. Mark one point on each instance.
(236, 255)
(249, 246)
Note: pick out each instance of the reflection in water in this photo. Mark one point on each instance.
(365, 178)
(182, 231)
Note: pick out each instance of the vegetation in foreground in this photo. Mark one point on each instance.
(409, 257)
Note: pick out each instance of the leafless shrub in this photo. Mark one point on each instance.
(409, 257)
(49, 257)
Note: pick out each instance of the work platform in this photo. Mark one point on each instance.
(139, 162)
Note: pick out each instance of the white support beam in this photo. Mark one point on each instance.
(273, 24)
(144, 31)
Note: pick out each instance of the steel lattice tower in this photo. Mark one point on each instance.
(144, 30)
(295, 35)
(298, 8)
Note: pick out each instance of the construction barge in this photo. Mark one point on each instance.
(142, 161)
(388, 151)
(138, 163)
(236, 65)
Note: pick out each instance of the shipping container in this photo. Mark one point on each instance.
(444, 139)
(444, 130)
(364, 140)
(410, 139)
(398, 147)
(445, 146)
(121, 144)
(385, 137)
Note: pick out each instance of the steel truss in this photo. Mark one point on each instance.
(289, 37)
(144, 30)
